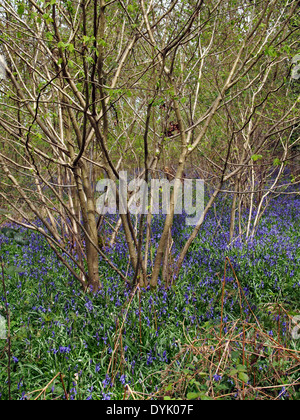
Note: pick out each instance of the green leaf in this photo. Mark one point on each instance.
(61, 45)
(86, 39)
(201, 395)
(271, 52)
(194, 382)
(205, 398)
(276, 162)
(21, 9)
(256, 157)
(102, 43)
(49, 36)
(47, 317)
(241, 368)
(90, 60)
(243, 377)
(193, 395)
(71, 48)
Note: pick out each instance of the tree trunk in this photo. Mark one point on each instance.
(233, 212)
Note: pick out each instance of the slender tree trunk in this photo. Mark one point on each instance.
(88, 211)
(167, 260)
(233, 212)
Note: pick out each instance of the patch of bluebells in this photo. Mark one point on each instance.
(51, 306)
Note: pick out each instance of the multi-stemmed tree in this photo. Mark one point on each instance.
(95, 87)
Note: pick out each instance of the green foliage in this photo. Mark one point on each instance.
(21, 9)
(255, 158)
(56, 328)
(276, 162)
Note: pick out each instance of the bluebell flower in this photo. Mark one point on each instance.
(106, 396)
(106, 382)
(283, 393)
(123, 379)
